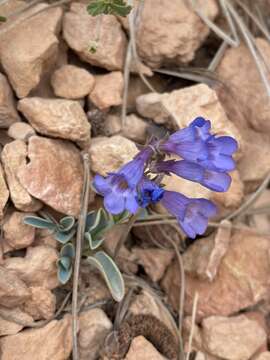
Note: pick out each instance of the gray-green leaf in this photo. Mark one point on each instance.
(39, 222)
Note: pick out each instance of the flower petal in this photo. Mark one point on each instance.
(102, 185)
(131, 204)
(114, 203)
(216, 181)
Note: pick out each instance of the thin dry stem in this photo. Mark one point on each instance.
(193, 320)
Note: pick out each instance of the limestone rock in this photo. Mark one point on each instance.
(109, 154)
(57, 118)
(13, 291)
(4, 193)
(239, 283)
(20, 320)
(13, 157)
(72, 82)
(171, 36)
(27, 49)
(79, 29)
(238, 69)
(154, 261)
(235, 338)
(17, 235)
(94, 287)
(54, 174)
(45, 237)
(42, 303)
(141, 349)
(37, 268)
(8, 112)
(94, 327)
(21, 131)
(52, 341)
(108, 90)
(263, 356)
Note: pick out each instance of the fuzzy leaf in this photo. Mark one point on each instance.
(67, 223)
(68, 250)
(111, 273)
(39, 223)
(63, 273)
(121, 10)
(94, 243)
(120, 218)
(64, 237)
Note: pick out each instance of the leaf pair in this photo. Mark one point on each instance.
(113, 7)
(65, 263)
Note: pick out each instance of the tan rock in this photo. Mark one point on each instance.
(8, 7)
(238, 70)
(13, 291)
(155, 261)
(235, 338)
(18, 235)
(8, 112)
(27, 49)
(37, 268)
(4, 193)
(94, 327)
(42, 303)
(171, 36)
(52, 341)
(263, 356)
(239, 283)
(45, 237)
(57, 118)
(79, 29)
(94, 287)
(13, 157)
(17, 321)
(261, 221)
(180, 107)
(141, 349)
(109, 154)
(56, 167)
(72, 82)
(108, 90)
(21, 131)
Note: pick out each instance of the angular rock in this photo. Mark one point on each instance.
(109, 154)
(17, 235)
(171, 36)
(52, 341)
(13, 157)
(72, 82)
(108, 90)
(28, 48)
(261, 221)
(79, 29)
(18, 320)
(54, 174)
(263, 356)
(4, 193)
(154, 261)
(238, 69)
(13, 291)
(21, 131)
(94, 327)
(58, 118)
(235, 338)
(141, 349)
(45, 237)
(94, 287)
(8, 112)
(38, 267)
(42, 303)
(180, 107)
(239, 283)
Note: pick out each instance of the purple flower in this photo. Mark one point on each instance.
(192, 214)
(216, 181)
(149, 193)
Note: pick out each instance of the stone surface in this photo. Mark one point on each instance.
(57, 118)
(79, 29)
(45, 237)
(42, 303)
(235, 338)
(17, 235)
(94, 327)
(13, 157)
(172, 36)
(13, 291)
(155, 261)
(21, 131)
(8, 112)
(180, 107)
(17, 320)
(72, 82)
(109, 154)
(239, 283)
(141, 349)
(238, 70)
(52, 341)
(54, 174)
(263, 356)
(37, 268)
(27, 49)
(108, 90)
(4, 193)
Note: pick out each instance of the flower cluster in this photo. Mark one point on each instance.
(204, 158)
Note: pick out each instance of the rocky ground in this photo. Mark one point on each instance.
(58, 100)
